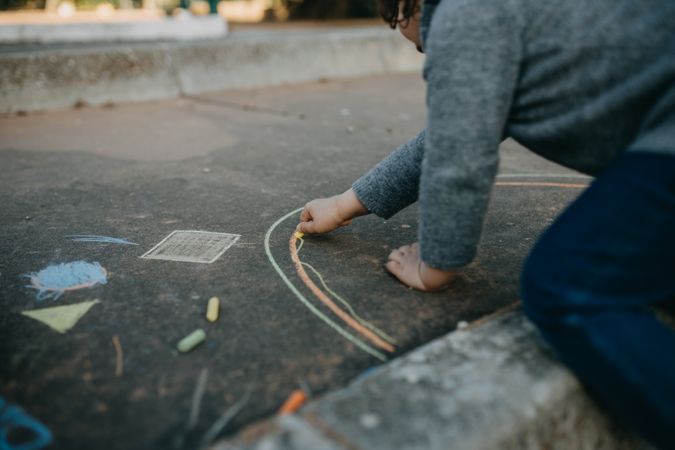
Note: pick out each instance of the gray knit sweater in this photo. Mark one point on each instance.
(578, 82)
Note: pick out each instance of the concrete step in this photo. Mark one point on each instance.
(36, 78)
(493, 385)
(122, 26)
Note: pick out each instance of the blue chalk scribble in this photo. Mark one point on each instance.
(53, 281)
(11, 418)
(99, 239)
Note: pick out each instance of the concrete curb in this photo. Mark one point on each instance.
(140, 29)
(489, 387)
(60, 78)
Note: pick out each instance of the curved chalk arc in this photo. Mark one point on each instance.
(351, 338)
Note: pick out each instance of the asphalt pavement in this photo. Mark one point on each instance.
(234, 162)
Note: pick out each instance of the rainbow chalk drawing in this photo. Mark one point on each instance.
(99, 239)
(352, 320)
(53, 281)
(317, 312)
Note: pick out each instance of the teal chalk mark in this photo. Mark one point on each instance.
(13, 418)
(99, 239)
(53, 281)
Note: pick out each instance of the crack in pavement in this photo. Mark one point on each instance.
(244, 107)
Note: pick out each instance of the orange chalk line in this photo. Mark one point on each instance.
(349, 320)
(309, 305)
(344, 302)
(540, 184)
(349, 307)
(119, 363)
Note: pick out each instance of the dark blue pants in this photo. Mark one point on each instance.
(590, 284)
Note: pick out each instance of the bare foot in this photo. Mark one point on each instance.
(406, 265)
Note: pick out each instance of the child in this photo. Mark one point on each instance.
(590, 85)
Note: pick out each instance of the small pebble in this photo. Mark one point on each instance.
(462, 325)
(417, 357)
(370, 421)
(412, 378)
(350, 129)
(206, 170)
(405, 225)
(101, 407)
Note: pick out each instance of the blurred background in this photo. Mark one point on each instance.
(244, 11)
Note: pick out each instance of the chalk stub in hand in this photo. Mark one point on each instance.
(213, 309)
(191, 341)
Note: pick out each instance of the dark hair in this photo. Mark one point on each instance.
(389, 10)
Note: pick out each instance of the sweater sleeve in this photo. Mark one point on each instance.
(473, 53)
(393, 183)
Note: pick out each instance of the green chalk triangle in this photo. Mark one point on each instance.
(61, 318)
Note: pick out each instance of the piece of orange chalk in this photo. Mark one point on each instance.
(299, 234)
(294, 402)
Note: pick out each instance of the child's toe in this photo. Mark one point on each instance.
(394, 267)
(396, 255)
(404, 249)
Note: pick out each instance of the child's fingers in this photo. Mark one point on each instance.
(305, 215)
(346, 222)
(308, 227)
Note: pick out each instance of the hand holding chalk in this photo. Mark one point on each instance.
(326, 214)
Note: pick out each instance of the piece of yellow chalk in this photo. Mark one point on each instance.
(191, 341)
(298, 234)
(212, 309)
